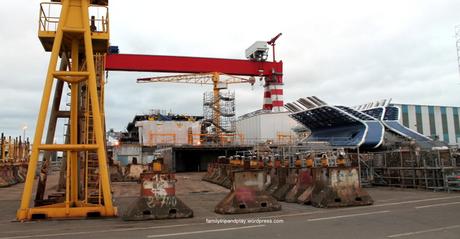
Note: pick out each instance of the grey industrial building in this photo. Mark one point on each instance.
(441, 122)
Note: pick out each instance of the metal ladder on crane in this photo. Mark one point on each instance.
(92, 180)
(91, 191)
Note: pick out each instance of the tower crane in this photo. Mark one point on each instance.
(218, 80)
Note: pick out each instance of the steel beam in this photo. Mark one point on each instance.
(182, 64)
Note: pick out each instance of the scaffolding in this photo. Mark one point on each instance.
(410, 168)
(220, 112)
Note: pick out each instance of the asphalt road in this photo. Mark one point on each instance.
(396, 213)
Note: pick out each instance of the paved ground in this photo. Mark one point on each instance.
(396, 214)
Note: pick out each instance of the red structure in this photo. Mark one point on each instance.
(272, 72)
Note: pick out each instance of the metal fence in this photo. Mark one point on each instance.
(408, 168)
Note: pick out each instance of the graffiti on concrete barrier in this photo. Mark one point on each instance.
(344, 178)
(159, 192)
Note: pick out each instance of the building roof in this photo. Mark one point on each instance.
(427, 105)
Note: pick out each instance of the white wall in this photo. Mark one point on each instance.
(249, 128)
(426, 121)
(267, 126)
(450, 125)
(438, 122)
(167, 132)
(412, 117)
(126, 152)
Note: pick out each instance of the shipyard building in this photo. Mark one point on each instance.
(437, 122)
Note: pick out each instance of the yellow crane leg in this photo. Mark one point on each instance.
(74, 125)
(23, 212)
(74, 24)
(102, 157)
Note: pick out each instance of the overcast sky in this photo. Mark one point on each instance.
(344, 52)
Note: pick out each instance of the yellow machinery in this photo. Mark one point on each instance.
(82, 39)
(213, 79)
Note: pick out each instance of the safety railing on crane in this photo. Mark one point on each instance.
(50, 13)
(49, 16)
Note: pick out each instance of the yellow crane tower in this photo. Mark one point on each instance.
(82, 39)
(216, 79)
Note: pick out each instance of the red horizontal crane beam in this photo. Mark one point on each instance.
(182, 64)
(272, 71)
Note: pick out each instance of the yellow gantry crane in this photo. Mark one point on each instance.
(82, 38)
(218, 80)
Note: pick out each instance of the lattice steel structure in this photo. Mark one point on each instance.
(220, 111)
(410, 168)
(81, 39)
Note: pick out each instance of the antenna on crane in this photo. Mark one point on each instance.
(272, 43)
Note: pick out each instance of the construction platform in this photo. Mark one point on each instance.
(396, 213)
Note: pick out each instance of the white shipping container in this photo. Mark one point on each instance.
(276, 127)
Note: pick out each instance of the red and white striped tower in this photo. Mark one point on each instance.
(276, 92)
(267, 98)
